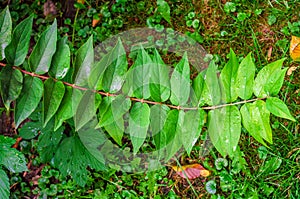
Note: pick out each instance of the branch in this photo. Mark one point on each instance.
(133, 98)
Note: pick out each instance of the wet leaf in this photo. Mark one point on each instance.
(5, 31)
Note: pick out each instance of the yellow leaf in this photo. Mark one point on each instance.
(295, 48)
(191, 171)
(80, 1)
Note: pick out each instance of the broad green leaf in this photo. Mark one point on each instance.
(224, 128)
(197, 92)
(180, 82)
(5, 31)
(279, 108)
(138, 124)
(228, 78)
(115, 110)
(87, 108)
(137, 79)
(158, 116)
(17, 50)
(191, 128)
(159, 79)
(44, 49)
(269, 79)
(10, 85)
(12, 159)
(245, 78)
(116, 130)
(30, 130)
(53, 95)
(256, 120)
(4, 185)
(211, 90)
(60, 64)
(164, 9)
(6, 141)
(29, 98)
(84, 63)
(114, 75)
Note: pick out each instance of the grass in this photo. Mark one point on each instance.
(261, 27)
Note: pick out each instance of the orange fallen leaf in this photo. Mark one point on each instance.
(191, 171)
(95, 22)
(80, 1)
(295, 48)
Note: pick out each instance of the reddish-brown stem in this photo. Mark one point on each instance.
(137, 99)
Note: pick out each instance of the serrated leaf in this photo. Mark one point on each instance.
(224, 128)
(44, 49)
(30, 130)
(279, 108)
(269, 79)
(29, 98)
(197, 92)
(17, 50)
(228, 78)
(11, 82)
(87, 108)
(159, 79)
(5, 31)
(137, 78)
(180, 82)
(12, 159)
(60, 64)
(114, 75)
(164, 9)
(245, 78)
(158, 116)
(256, 119)
(53, 95)
(4, 185)
(191, 128)
(211, 90)
(84, 63)
(138, 124)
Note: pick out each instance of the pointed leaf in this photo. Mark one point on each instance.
(4, 185)
(158, 116)
(114, 75)
(256, 119)
(5, 31)
(84, 63)
(180, 82)
(191, 171)
(17, 50)
(197, 92)
(41, 56)
(116, 130)
(159, 79)
(164, 9)
(245, 78)
(224, 129)
(191, 128)
(269, 79)
(228, 78)
(10, 85)
(29, 98)
(138, 124)
(53, 95)
(279, 108)
(60, 64)
(30, 130)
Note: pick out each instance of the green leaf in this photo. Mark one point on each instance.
(30, 130)
(12, 159)
(137, 79)
(116, 130)
(138, 124)
(41, 56)
(159, 79)
(228, 78)
(224, 128)
(197, 92)
(211, 90)
(158, 116)
(191, 128)
(279, 108)
(6, 142)
(114, 75)
(84, 63)
(4, 185)
(17, 50)
(245, 78)
(164, 9)
(53, 95)
(5, 31)
(180, 82)
(87, 108)
(29, 98)
(10, 85)
(269, 79)
(60, 64)
(256, 120)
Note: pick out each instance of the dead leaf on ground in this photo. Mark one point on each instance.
(191, 171)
